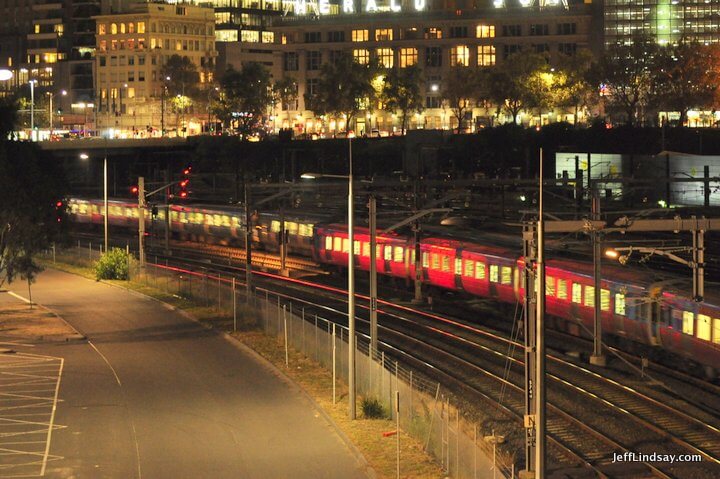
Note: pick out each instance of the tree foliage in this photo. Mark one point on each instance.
(515, 84)
(686, 76)
(30, 188)
(461, 87)
(626, 72)
(345, 87)
(401, 92)
(245, 97)
(184, 77)
(285, 92)
(113, 265)
(580, 87)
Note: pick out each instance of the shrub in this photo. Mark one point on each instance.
(373, 409)
(112, 265)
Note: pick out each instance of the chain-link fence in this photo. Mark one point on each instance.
(421, 407)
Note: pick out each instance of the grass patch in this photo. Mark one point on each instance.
(373, 409)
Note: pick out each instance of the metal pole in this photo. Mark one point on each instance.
(334, 360)
(141, 221)
(351, 287)
(597, 357)
(248, 245)
(167, 212)
(51, 114)
(285, 333)
(540, 336)
(105, 200)
(283, 243)
(162, 111)
(234, 304)
(373, 277)
(32, 110)
(529, 253)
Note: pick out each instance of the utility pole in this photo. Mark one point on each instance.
(141, 220)
(597, 358)
(248, 243)
(372, 206)
(529, 335)
(32, 110)
(351, 287)
(167, 211)
(540, 440)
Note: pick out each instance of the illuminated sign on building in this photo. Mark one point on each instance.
(529, 3)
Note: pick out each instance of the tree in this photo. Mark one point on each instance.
(625, 71)
(245, 97)
(8, 116)
(183, 74)
(460, 88)
(514, 84)
(579, 88)
(401, 92)
(285, 92)
(345, 87)
(686, 77)
(30, 208)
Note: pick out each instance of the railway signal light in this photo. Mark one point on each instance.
(59, 210)
(185, 182)
(134, 190)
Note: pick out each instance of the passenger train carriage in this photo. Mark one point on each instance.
(633, 311)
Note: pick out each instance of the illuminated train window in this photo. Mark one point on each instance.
(589, 296)
(328, 243)
(703, 327)
(479, 270)
(549, 286)
(577, 293)
(435, 261)
(387, 253)
(620, 304)
(716, 331)
(366, 249)
(291, 227)
(346, 245)
(688, 322)
(425, 260)
(458, 266)
(561, 289)
(469, 267)
(337, 243)
(494, 273)
(305, 229)
(605, 300)
(356, 247)
(506, 275)
(398, 254)
(275, 226)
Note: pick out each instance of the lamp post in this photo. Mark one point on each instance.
(351, 277)
(32, 109)
(163, 92)
(84, 156)
(52, 95)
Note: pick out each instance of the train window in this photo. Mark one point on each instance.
(275, 226)
(589, 296)
(549, 286)
(291, 227)
(703, 327)
(716, 331)
(346, 245)
(577, 293)
(688, 322)
(561, 289)
(479, 270)
(445, 264)
(620, 304)
(469, 267)
(337, 243)
(434, 261)
(328, 243)
(366, 249)
(217, 220)
(398, 254)
(305, 229)
(458, 266)
(605, 300)
(494, 273)
(356, 247)
(425, 260)
(506, 275)
(387, 252)
(412, 256)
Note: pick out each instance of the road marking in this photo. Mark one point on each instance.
(29, 390)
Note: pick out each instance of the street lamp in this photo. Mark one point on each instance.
(351, 276)
(163, 92)
(85, 157)
(52, 95)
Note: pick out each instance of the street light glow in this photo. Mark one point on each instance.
(611, 253)
(308, 176)
(84, 156)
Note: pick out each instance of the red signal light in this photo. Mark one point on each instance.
(184, 183)
(187, 170)
(58, 204)
(134, 190)
(183, 194)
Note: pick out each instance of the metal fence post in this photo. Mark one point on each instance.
(302, 343)
(53, 247)
(334, 373)
(219, 293)
(287, 362)
(316, 339)
(397, 426)
(234, 305)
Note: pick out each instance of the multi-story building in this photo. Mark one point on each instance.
(401, 34)
(666, 21)
(131, 50)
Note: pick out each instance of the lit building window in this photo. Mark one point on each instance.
(250, 36)
(362, 56)
(460, 55)
(141, 27)
(386, 57)
(359, 35)
(486, 55)
(102, 28)
(485, 31)
(122, 28)
(433, 32)
(408, 57)
(383, 34)
(268, 37)
(131, 27)
(113, 28)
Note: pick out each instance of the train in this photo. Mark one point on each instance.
(662, 319)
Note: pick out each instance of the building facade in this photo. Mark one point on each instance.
(666, 21)
(436, 40)
(132, 48)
